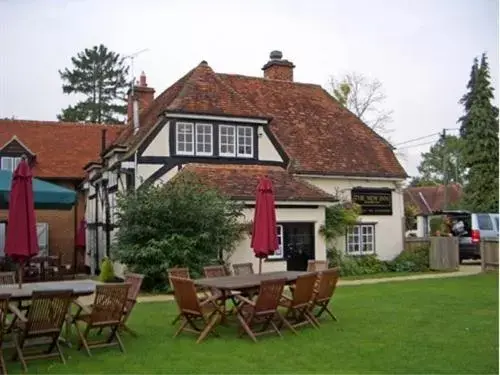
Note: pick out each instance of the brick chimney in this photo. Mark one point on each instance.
(143, 94)
(277, 68)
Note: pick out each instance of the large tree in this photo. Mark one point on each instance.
(364, 97)
(101, 77)
(479, 130)
(443, 162)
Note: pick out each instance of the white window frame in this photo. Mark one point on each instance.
(193, 135)
(14, 162)
(278, 254)
(355, 236)
(226, 154)
(244, 128)
(211, 133)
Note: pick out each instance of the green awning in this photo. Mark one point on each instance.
(47, 196)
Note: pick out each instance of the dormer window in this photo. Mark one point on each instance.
(185, 138)
(204, 139)
(9, 163)
(236, 141)
(207, 139)
(194, 139)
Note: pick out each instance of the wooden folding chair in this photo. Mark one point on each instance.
(316, 265)
(263, 311)
(219, 271)
(193, 310)
(298, 307)
(181, 273)
(52, 268)
(323, 294)
(44, 318)
(135, 281)
(106, 312)
(4, 311)
(7, 278)
(242, 269)
(214, 271)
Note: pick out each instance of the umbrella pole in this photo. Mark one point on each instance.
(260, 266)
(20, 270)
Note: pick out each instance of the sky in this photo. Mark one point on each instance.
(421, 50)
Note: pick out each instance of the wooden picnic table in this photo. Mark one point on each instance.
(243, 283)
(80, 288)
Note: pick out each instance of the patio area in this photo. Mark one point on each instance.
(425, 326)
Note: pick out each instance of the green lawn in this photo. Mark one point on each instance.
(423, 326)
(383, 275)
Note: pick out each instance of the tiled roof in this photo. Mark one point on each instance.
(240, 182)
(205, 93)
(61, 149)
(318, 134)
(200, 91)
(149, 117)
(433, 197)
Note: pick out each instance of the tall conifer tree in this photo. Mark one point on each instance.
(101, 77)
(479, 130)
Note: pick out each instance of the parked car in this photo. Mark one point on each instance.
(476, 226)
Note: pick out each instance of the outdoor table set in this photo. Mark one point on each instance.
(34, 314)
(256, 300)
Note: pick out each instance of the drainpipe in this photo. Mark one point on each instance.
(96, 218)
(75, 208)
(104, 186)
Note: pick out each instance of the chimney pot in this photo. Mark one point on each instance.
(142, 80)
(143, 94)
(277, 68)
(276, 55)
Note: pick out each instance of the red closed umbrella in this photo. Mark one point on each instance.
(21, 241)
(80, 234)
(264, 238)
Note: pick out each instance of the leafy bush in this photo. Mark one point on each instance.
(338, 218)
(181, 223)
(411, 217)
(416, 260)
(355, 265)
(436, 224)
(107, 274)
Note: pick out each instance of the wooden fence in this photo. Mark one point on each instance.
(443, 254)
(489, 254)
(443, 251)
(413, 243)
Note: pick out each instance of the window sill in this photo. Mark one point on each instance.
(360, 255)
(275, 259)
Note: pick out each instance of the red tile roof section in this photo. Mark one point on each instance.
(205, 93)
(62, 149)
(199, 91)
(240, 181)
(319, 135)
(434, 197)
(149, 117)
